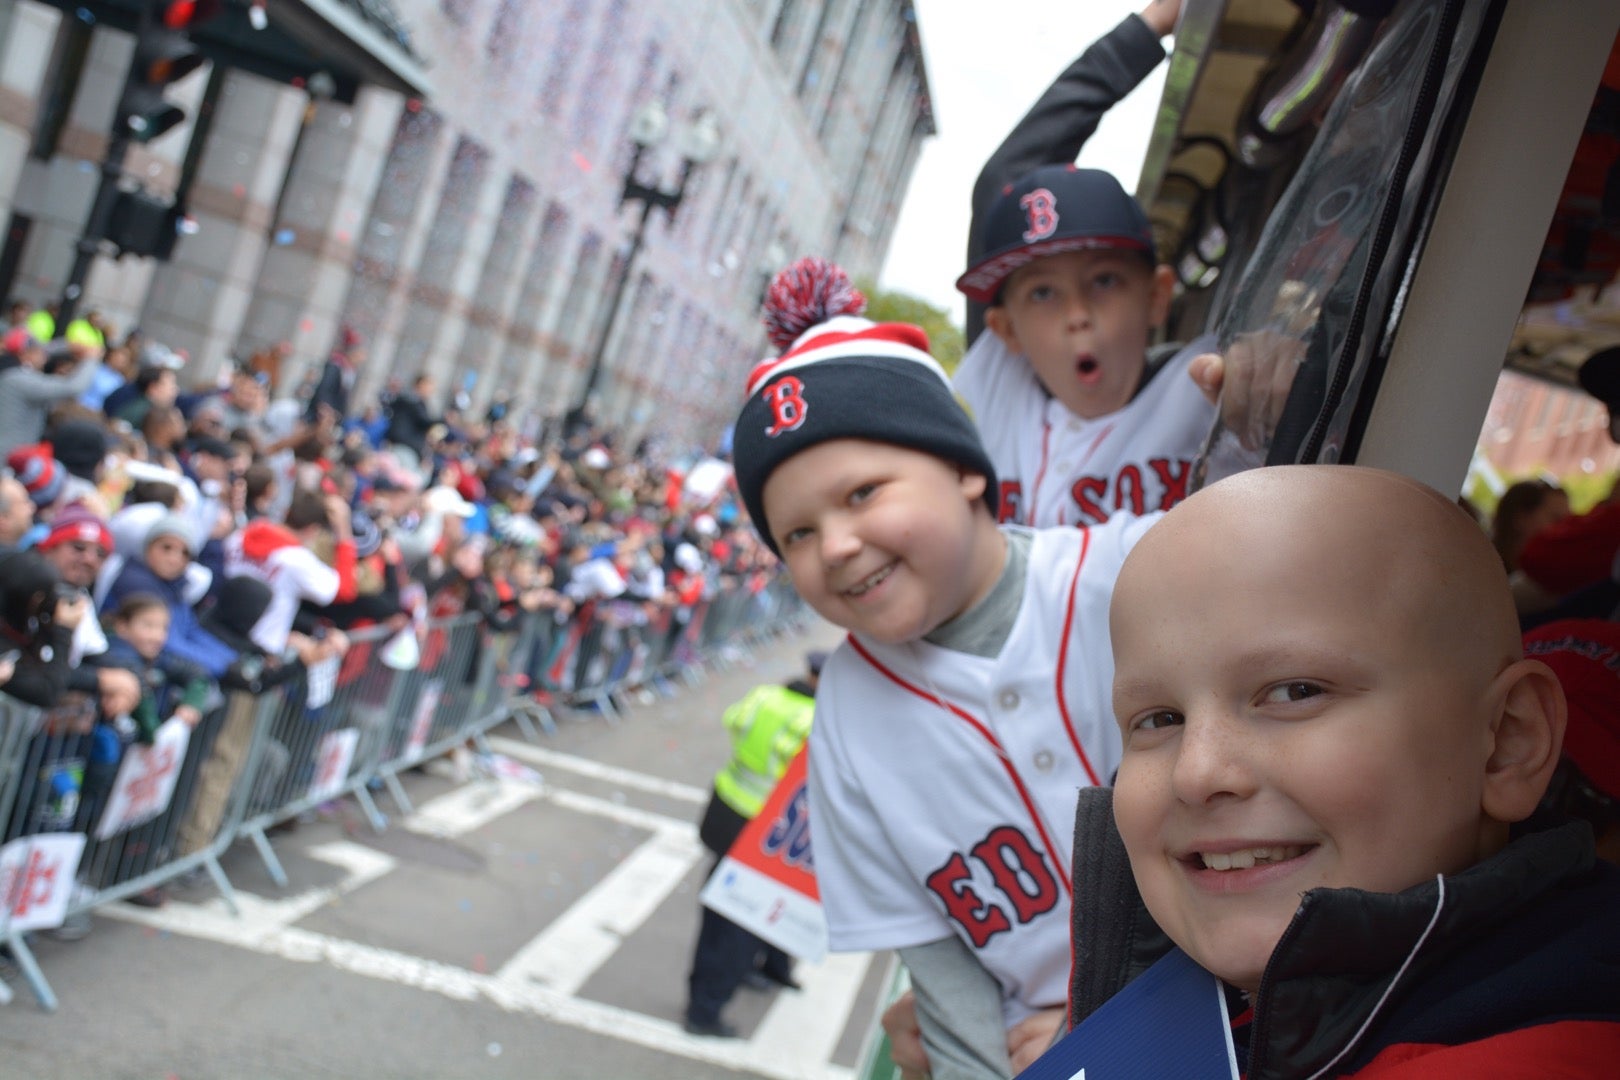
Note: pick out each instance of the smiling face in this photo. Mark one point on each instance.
(883, 540)
(78, 561)
(1084, 318)
(1306, 703)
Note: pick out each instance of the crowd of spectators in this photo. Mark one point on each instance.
(154, 531)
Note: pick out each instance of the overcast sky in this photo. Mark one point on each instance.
(988, 60)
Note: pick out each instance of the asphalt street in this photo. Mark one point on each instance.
(530, 927)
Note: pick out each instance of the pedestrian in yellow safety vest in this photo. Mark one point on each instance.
(85, 332)
(767, 727)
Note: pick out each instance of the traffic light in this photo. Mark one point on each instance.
(164, 54)
(144, 225)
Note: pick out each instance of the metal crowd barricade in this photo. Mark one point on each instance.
(520, 676)
(150, 814)
(594, 659)
(726, 611)
(454, 700)
(147, 813)
(372, 723)
(17, 722)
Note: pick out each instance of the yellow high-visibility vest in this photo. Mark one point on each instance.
(41, 326)
(767, 728)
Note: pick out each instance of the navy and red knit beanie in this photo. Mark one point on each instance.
(850, 378)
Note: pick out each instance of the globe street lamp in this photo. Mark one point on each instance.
(699, 142)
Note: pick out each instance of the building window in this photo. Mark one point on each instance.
(505, 31)
(593, 98)
(784, 20)
(560, 65)
(586, 280)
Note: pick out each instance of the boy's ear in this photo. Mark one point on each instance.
(1525, 740)
(973, 484)
(1164, 291)
(995, 318)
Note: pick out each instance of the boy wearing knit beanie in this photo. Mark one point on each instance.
(955, 723)
(163, 569)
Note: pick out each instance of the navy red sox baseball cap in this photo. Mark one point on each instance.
(1054, 209)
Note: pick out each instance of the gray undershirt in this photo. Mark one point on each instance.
(983, 629)
(959, 1011)
(958, 1001)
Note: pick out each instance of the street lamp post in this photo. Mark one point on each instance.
(699, 143)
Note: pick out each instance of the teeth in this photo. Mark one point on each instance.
(1247, 858)
(871, 581)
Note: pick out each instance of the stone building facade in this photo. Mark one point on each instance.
(475, 231)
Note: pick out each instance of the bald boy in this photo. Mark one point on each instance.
(1329, 732)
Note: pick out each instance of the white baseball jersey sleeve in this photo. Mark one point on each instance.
(1055, 468)
(942, 784)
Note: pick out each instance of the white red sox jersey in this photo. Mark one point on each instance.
(1056, 468)
(942, 785)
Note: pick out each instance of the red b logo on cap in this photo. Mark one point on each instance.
(785, 396)
(1040, 209)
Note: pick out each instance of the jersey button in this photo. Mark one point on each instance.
(1044, 760)
(1008, 700)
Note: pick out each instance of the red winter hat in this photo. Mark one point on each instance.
(17, 339)
(78, 522)
(1585, 653)
(37, 469)
(470, 487)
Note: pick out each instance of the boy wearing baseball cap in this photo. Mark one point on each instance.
(1080, 416)
(1332, 735)
(955, 722)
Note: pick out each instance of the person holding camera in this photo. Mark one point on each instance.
(36, 628)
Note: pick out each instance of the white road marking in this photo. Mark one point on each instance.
(262, 919)
(471, 806)
(568, 952)
(793, 1042)
(624, 815)
(595, 770)
(805, 1026)
(758, 1054)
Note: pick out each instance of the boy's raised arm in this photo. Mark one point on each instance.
(1066, 115)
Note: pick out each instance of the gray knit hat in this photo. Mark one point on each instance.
(170, 525)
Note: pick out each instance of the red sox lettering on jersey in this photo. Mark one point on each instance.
(1056, 468)
(1026, 885)
(1160, 486)
(942, 783)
